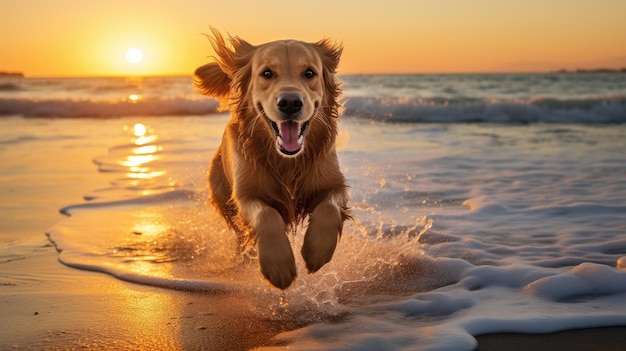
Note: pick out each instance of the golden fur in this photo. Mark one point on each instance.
(273, 168)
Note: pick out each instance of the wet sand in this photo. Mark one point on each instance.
(593, 339)
(47, 306)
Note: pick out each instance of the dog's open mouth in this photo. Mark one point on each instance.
(289, 135)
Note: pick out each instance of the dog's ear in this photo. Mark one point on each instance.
(330, 54)
(211, 81)
(232, 54)
(228, 76)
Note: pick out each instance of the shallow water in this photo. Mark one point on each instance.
(459, 230)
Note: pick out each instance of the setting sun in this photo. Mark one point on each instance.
(134, 55)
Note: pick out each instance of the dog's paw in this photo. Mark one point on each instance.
(319, 245)
(276, 259)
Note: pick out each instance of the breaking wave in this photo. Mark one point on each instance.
(594, 110)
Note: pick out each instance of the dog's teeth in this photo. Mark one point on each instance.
(305, 126)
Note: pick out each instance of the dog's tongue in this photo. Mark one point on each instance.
(289, 133)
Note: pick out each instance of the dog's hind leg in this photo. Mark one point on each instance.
(221, 192)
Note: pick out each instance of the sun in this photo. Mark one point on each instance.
(134, 55)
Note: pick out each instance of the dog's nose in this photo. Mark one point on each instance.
(289, 103)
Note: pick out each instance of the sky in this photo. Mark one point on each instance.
(90, 38)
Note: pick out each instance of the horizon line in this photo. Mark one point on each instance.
(19, 74)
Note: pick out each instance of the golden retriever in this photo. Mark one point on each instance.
(277, 164)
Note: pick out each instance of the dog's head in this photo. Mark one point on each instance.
(288, 84)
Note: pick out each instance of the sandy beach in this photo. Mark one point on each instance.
(48, 306)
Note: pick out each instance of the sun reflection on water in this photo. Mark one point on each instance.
(138, 160)
(146, 152)
(145, 175)
(147, 149)
(148, 241)
(142, 134)
(149, 224)
(139, 129)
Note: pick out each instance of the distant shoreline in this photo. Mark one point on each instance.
(593, 70)
(12, 74)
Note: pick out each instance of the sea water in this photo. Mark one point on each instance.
(482, 204)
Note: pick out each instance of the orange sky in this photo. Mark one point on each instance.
(89, 38)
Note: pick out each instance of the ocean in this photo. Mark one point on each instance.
(483, 203)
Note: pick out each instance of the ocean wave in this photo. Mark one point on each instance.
(593, 110)
(104, 108)
(9, 87)
(601, 110)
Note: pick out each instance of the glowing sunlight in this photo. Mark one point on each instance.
(133, 55)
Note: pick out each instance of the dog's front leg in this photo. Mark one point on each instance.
(275, 254)
(320, 240)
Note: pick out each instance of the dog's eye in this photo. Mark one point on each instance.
(267, 74)
(309, 73)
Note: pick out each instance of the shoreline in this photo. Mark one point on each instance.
(54, 307)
